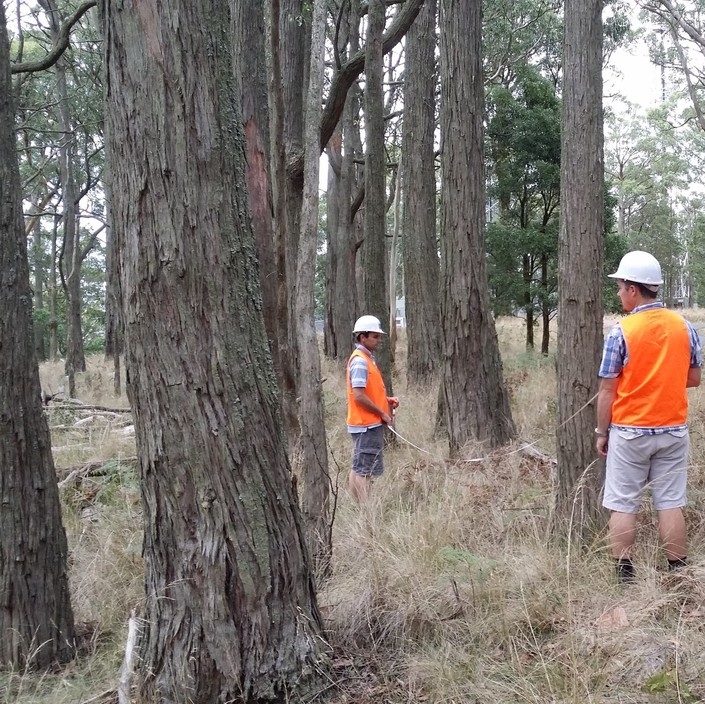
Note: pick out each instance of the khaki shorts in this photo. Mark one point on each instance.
(636, 461)
(368, 449)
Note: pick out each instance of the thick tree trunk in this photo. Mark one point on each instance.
(476, 397)
(36, 621)
(314, 451)
(580, 271)
(374, 249)
(230, 609)
(419, 247)
(250, 35)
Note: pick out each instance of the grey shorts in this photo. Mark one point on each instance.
(636, 461)
(368, 449)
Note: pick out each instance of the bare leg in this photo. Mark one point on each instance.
(671, 528)
(359, 486)
(622, 534)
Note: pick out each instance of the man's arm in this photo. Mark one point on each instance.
(364, 400)
(605, 398)
(694, 374)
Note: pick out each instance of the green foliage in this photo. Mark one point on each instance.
(524, 146)
(481, 567)
(667, 681)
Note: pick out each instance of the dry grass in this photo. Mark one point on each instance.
(446, 589)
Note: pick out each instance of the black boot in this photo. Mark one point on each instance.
(625, 570)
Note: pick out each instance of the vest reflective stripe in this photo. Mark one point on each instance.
(357, 415)
(651, 391)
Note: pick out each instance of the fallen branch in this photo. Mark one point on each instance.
(88, 469)
(102, 698)
(124, 690)
(76, 405)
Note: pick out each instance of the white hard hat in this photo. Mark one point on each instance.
(368, 323)
(641, 268)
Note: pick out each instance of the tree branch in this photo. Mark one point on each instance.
(61, 44)
(356, 65)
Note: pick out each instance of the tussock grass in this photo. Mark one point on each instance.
(446, 587)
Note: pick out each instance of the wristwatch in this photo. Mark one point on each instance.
(601, 434)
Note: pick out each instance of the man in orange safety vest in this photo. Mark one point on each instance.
(649, 359)
(369, 407)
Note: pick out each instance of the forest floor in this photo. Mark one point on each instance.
(446, 587)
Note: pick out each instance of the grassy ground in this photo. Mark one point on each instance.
(446, 587)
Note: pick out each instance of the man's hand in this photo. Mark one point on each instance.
(393, 401)
(601, 446)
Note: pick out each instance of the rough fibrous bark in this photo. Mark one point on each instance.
(580, 270)
(477, 402)
(314, 451)
(230, 609)
(374, 249)
(419, 248)
(36, 621)
(249, 35)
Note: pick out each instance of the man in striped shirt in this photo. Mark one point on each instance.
(649, 359)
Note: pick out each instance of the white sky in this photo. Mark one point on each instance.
(631, 75)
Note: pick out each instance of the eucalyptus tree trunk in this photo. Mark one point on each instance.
(374, 249)
(477, 402)
(341, 285)
(53, 291)
(313, 457)
(40, 347)
(580, 474)
(249, 32)
(36, 620)
(230, 612)
(279, 36)
(527, 273)
(113, 301)
(419, 247)
(71, 254)
(545, 308)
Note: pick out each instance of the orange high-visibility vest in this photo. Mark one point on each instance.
(651, 391)
(357, 415)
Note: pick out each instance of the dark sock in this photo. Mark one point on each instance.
(625, 570)
(677, 563)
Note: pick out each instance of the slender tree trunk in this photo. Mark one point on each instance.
(286, 356)
(75, 356)
(314, 450)
(39, 274)
(341, 286)
(53, 288)
(36, 621)
(295, 38)
(393, 260)
(230, 609)
(545, 308)
(526, 270)
(419, 246)
(113, 313)
(477, 402)
(580, 474)
(376, 299)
